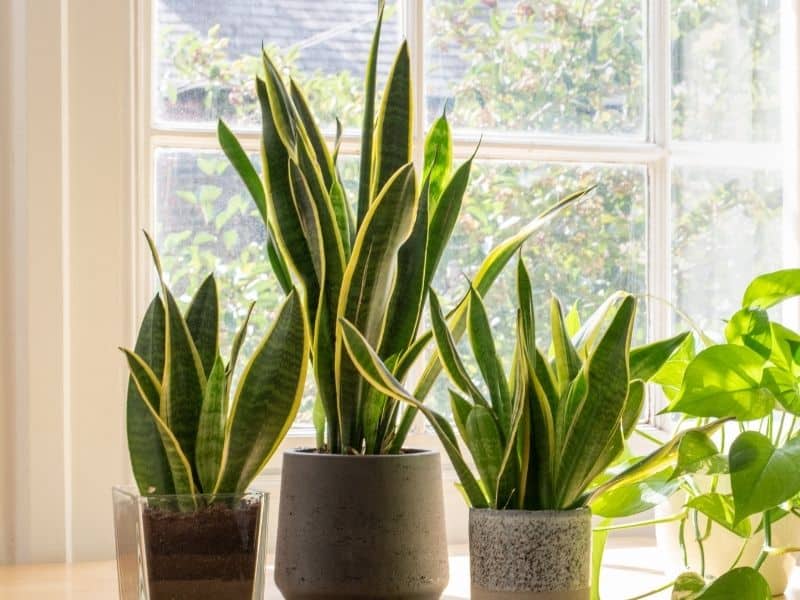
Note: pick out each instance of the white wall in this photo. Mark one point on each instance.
(5, 299)
(68, 301)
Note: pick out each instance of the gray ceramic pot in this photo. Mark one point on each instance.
(361, 527)
(530, 555)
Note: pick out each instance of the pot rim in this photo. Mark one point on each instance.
(132, 492)
(516, 513)
(405, 453)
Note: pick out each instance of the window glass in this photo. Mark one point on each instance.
(207, 53)
(562, 67)
(726, 70)
(725, 230)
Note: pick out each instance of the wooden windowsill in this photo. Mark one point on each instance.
(631, 568)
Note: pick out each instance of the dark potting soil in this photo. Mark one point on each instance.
(205, 554)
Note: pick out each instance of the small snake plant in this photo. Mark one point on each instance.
(189, 431)
(543, 436)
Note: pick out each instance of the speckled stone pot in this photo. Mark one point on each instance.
(530, 555)
(361, 527)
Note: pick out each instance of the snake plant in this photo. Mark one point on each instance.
(189, 431)
(542, 436)
(371, 266)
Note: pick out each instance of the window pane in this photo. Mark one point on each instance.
(583, 255)
(205, 222)
(725, 230)
(563, 67)
(726, 69)
(207, 53)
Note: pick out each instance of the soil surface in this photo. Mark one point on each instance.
(205, 554)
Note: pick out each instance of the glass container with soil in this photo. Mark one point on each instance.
(202, 547)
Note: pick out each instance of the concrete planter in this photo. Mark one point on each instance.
(361, 527)
(530, 555)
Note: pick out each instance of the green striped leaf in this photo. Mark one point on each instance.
(367, 285)
(368, 124)
(236, 347)
(393, 127)
(151, 468)
(488, 272)
(460, 408)
(633, 407)
(309, 222)
(408, 295)
(486, 446)
(278, 262)
(527, 312)
(283, 218)
(438, 157)
(544, 455)
(266, 400)
(211, 429)
(323, 361)
(308, 177)
(656, 461)
(566, 358)
(313, 134)
(202, 319)
(483, 348)
(241, 163)
(149, 390)
(448, 354)
(375, 372)
(516, 456)
(443, 217)
(344, 214)
(184, 380)
(279, 104)
(376, 408)
(337, 143)
(586, 337)
(597, 418)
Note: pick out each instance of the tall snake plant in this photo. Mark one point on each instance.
(371, 266)
(189, 431)
(542, 436)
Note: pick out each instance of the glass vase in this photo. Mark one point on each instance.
(201, 547)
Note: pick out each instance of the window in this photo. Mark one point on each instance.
(674, 109)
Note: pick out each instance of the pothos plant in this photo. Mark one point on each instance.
(751, 480)
(371, 267)
(190, 432)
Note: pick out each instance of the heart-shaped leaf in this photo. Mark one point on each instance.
(762, 476)
(744, 583)
(698, 454)
(771, 288)
(719, 508)
(725, 381)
